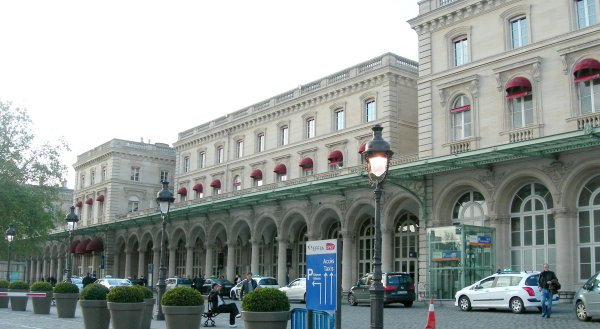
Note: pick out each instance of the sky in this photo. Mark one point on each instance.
(91, 71)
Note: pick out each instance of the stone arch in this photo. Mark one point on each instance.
(292, 221)
(197, 231)
(506, 190)
(575, 180)
(361, 209)
(132, 239)
(218, 229)
(397, 204)
(265, 228)
(442, 210)
(240, 229)
(178, 234)
(324, 220)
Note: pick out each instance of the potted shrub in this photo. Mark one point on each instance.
(183, 308)
(92, 300)
(41, 305)
(126, 306)
(3, 299)
(18, 303)
(65, 295)
(148, 306)
(265, 308)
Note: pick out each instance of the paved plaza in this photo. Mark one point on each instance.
(447, 317)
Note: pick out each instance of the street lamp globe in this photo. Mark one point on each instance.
(10, 234)
(164, 198)
(377, 155)
(72, 219)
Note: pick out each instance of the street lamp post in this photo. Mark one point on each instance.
(10, 235)
(377, 155)
(72, 220)
(164, 198)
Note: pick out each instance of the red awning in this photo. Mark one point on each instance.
(306, 163)
(215, 183)
(95, 245)
(361, 148)
(280, 169)
(182, 191)
(335, 157)
(460, 109)
(73, 245)
(586, 67)
(89, 201)
(80, 249)
(79, 204)
(198, 188)
(256, 174)
(100, 198)
(517, 85)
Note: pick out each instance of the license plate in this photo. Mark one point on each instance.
(401, 292)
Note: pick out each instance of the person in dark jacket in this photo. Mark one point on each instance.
(248, 285)
(544, 282)
(218, 305)
(87, 280)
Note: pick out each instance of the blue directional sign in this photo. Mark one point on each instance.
(321, 275)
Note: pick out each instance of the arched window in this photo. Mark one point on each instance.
(198, 258)
(301, 238)
(520, 102)
(461, 118)
(370, 111)
(134, 204)
(180, 256)
(588, 228)
(587, 79)
(532, 228)
(365, 246)
(470, 209)
(406, 243)
(237, 183)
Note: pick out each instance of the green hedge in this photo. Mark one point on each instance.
(18, 285)
(146, 292)
(265, 300)
(125, 294)
(4, 284)
(182, 296)
(93, 291)
(66, 288)
(41, 286)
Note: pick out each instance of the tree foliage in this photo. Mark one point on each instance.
(30, 178)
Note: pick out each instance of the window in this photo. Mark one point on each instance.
(82, 181)
(260, 142)
(461, 51)
(284, 134)
(164, 176)
(103, 174)
(338, 119)
(237, 183)
(521, 111)
(135, 174)
(239, 148)
(281, 172)
(202, 160)
(307, 166)
(588, 228)
(470, 209)
(186, 164)
(518, 30)
(587, 80)
(134, 204)
(369, 110)
(586, 13)
(310, 127)
(256, 176)
(220, 154)
(461, 118)
(93, 177)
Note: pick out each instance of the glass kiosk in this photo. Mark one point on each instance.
(458, 256)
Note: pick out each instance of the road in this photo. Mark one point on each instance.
(354, 317)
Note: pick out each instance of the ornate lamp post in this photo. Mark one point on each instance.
(377, 155)
(72, 220)
(10, 235)
(164, 198)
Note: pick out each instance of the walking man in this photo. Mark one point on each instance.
(544, 286)
(248, 285)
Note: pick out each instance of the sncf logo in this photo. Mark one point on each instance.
(329, 246)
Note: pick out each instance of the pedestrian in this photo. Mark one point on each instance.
(200, 283)
(142, 281)
(248, 285)
(87, 280)
(237, 279)
(218, 305)
(547, 287)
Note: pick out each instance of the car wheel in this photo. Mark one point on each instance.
(464, 303)
(352, 300)
(232, 295)
(407, 304)
(581, 312)
(516, 305)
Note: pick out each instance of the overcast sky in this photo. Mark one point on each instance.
(90, 71)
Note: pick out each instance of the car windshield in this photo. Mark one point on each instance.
(118, 282)
(268, 282)
(396, 280)
(184, 281)
(224, 282)
(75, 280)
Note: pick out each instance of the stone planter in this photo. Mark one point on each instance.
(183, 317)
(148, 310)
(95, 314)
(18, 303)
(126, 315)
(66, 303)
(41, 305)
(4, 299)
(265, 320)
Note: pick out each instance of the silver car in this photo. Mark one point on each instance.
(296, 290)
(178, 282)
(587, 299)
(113, 282)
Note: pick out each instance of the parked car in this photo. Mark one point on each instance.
(266, 282)
(178, 282)
(227, 285)
(113, 282)
(587, 299)
(236, 291)
(296, 290)
(399, 288)
(516, 291)
(78, 282)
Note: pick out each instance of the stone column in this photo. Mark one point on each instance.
(387, 255)
(282, 261)
(155, 265)
(38, 270)
(347, 279)
(127, 263)
(230, 261)
(59, 269)
(52, 267)
(45, 268)
(502, 241)
(172, 261)
(566, 250)
(255, 253)
(209, 260)
(116, 264)
(189, 261)
(141, 265)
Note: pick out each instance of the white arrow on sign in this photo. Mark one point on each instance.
(331, 288)
(325, 286)
(319, 283)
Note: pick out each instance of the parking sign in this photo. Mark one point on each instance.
(322, 275)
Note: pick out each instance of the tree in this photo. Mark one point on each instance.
(30, 178)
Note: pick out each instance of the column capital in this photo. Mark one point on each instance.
(564, 213)
(281, 239)
(253, 242)
(347, 234)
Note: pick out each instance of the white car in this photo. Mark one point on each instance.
(296, 290)
(516, 291)
(236, 291)
(266, 282)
